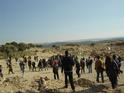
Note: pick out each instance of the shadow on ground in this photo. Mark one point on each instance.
(94, 89)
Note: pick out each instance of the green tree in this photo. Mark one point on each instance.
(9, 50)
(22, 47)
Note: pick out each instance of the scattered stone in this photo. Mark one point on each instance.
(117, 91)
(84, 82)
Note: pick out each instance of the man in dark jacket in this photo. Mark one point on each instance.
(107, 63)
(113, 72)
(68, 64)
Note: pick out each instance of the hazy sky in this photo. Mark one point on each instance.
(40, 21)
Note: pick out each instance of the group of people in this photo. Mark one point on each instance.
(111, 65)
(35, 65)
(26, 62)
(113, 69)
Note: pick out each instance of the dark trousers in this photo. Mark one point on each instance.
(11, 70)
(29, 67)
(82, 69)
(22, 68)
(107, 72)
(78, 72)
(1, 74)
(113, 80)
(33, 69)
(90, 68)
(70, 75)
(56, 75)
(98, 76)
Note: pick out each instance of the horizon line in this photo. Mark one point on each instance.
(76, 40)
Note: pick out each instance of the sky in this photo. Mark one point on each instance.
(39, 21)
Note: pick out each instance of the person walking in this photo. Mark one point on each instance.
(77, 67)
(107, 63)
(10, 69)
(82, 64)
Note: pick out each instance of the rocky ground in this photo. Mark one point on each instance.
(29, 83)
(15, 83)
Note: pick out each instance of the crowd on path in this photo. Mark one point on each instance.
(111, 64)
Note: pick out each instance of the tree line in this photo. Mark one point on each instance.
(14, 48)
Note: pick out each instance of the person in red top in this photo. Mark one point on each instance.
(55, 65)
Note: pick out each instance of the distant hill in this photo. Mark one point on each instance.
(85, 41)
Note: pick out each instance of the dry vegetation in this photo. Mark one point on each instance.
(86, 84)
